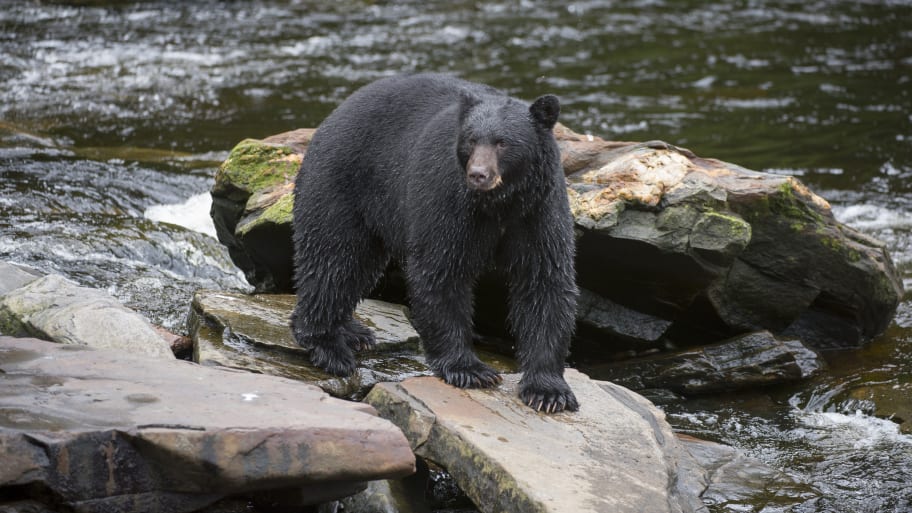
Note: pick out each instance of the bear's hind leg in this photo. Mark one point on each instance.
(358, 336)
(334, 268)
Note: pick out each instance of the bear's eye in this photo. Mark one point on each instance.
(472, 141)
(501, 144)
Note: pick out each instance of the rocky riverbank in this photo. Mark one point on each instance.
(699, 276)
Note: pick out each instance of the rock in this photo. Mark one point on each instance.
(430, 488)
(13, 276)
(179, 344)
(744, 361)
(707, 243)
(104, 431)
(251, 207)
(616, 453)
(604, 319)
(733, 481)
(54, 308)
(706, 249)
(377, 498)
(252, 332)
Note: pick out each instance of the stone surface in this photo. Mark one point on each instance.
(733, 481)
(54, 308)
(105, 431)
(13, 276)
(252, 332)
(705, 247)
(721, 249)
(250, 215)
(179, 344)
(603, 318)
(744, 361)
(615, 454)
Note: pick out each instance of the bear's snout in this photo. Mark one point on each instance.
(482, 173)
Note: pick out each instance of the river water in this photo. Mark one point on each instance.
(114, 115)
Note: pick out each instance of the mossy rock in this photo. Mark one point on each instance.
(714, 248)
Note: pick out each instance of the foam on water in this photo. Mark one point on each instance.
(192, 214)
(856, 430)
(868, 216)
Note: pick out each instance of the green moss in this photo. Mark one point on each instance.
(787, 204)
(254, 165)
(280, 211)
(839, 246)
(277, 213)
(737, 227)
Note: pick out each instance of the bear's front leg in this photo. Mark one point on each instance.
(543, 294)
(442, 315)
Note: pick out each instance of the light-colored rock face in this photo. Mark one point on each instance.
(13, 276)
(109, 431)
(57, 309)
(615, 454)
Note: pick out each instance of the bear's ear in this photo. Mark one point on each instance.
(545, 110)
(466, 103)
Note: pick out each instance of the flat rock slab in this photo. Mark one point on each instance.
(252, 332)
(749, 360)
(615, 454)
(54, 308)
(106, 431)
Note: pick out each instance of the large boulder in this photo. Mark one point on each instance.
(55, 308)
(616, 453)
(689, 248)
(103, 431)
(721, 249)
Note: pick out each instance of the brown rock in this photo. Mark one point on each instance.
(104, 431)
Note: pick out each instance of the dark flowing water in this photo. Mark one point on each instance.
(113, 116)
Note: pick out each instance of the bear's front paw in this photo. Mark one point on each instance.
(358, 336)
(551, 394)
(476, 375)
(338, 360)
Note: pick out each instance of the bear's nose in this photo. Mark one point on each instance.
(478, 175)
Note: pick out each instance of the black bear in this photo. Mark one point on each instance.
(450, 178)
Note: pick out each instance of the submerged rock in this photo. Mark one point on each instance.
(102, 431)
(733, 481)
(252, 332)
(616, 453)
(750, 360)
(54, 308)
(702, 248)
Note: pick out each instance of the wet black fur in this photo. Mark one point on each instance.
(384, 177)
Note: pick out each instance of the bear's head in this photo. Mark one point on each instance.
(501, 139)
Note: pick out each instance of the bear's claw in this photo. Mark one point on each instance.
(478, 375)
(358, 336)
(550, 399)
